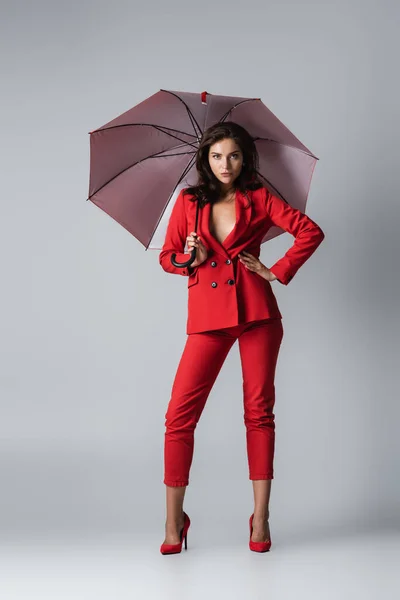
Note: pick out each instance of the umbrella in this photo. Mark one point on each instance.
(140, 161)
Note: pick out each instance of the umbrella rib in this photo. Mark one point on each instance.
(273, 187)
(175, 154)
(238, 104)
(183, 142)
(266, 139)
(156, 155)
(286, 145)
(190, 114)
(187, 168)
(193, 145)
(165, 130)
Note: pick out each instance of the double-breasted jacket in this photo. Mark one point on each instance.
(222, 291)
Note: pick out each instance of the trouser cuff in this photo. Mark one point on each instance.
(176, 483)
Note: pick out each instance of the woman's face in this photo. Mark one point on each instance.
(226, 159)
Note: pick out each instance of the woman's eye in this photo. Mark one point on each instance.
(233, 156)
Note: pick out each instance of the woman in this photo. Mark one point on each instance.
(230, 298)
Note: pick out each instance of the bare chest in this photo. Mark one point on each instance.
(222, 220)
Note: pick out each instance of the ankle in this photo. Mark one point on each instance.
(175, 521)
(262, 515)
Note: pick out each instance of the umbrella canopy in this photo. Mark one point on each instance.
(141, 160)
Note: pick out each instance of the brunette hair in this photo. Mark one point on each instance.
(208, 187)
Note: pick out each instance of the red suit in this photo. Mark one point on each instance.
(240, 295)
(227, 301)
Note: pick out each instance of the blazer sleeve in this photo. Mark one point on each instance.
(308, 236)
(175, 240)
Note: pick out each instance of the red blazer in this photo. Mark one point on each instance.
(222, 292)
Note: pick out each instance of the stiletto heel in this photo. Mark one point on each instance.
(176, 548)
(258, 546)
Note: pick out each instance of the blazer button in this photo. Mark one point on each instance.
(228, 262)
(231, 281)
(213, 264)
(214, 284)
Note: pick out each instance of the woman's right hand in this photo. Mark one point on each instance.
(194, 241)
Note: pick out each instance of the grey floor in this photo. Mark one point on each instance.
(338, 566)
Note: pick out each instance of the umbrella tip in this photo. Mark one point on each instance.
(203, 97)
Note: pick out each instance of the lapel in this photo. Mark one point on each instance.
(243, 218)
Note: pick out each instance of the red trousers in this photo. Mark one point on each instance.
(201, 361)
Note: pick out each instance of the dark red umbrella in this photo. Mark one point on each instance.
(141, 160)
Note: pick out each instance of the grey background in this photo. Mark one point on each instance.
(92, 328)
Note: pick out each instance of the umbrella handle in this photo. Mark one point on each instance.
(187, 262)
(193, 252)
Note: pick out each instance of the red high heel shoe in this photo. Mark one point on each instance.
(257, 546)
(176, 548)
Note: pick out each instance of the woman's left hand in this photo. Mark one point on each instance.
(254, 264)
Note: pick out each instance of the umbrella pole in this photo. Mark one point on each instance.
(193, 252)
